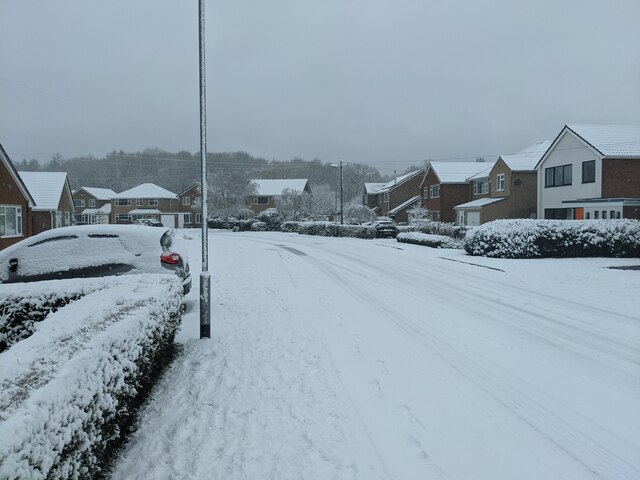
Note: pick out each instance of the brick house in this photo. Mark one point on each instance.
(15, 204)
(393, 199)
(591, 172)
(508, 190)
(190, 212)
(54, 200)
(93, 205)
(268, 191)
(447, 184)
(146, 201)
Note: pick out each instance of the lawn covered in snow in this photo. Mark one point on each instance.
(363, 359)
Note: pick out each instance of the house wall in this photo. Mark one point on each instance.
(66, 209)
(193, 194)
(10, 194)
(569, 149)
(86, 196)
(631, 212)
(165, 205)
(261, 208)
(620, 178)
(401, 193)
(41, 221)
(451, 194)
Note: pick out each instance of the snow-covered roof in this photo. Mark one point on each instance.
(527, 159)
(144, 211)
(272, 187)
(99, 193)
(375, 188)
(146, 190)
(103, 210)
(404, 205)
(46, 188)
(481, 202)
(611, 140)
(4, 158)
(459, 172)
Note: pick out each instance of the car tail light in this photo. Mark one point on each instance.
(171, 258)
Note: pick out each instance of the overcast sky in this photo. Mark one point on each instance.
(387, 83)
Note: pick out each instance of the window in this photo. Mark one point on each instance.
(559, 213)
(92, 202)
(596, 214)
(139, 202)
(198, 218)
(123, 202)
(153, 202)
(612, 214)
(557, 176)
(589, 171)
(78, 202)
(186, 201)
(434, 191)
(385, 197)
(261, 200)
(122, 218)
(435, 216)
(10, 220)
(587, 215)
(500, 182)
(604, 214)
(618, 214)
(426, 192)
(481, 187)
(187, 218)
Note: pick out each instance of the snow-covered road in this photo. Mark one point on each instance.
(346, 358)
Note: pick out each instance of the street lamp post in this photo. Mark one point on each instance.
(341, 195)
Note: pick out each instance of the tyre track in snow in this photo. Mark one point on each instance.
(532, 406)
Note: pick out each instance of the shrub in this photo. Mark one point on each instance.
(435, 228)
(427, 240)
(555, 238)
(259, 226)
(272, 218)
(330, 229)
(290, 227)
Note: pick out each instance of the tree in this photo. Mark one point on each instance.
(293, 202)
(323, 200)
(359, 213)
(418, 214)
(228, 192)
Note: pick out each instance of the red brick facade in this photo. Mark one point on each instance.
(451, 194)
(620, 178)
(11, 194)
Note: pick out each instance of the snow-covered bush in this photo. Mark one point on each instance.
(330, 229)
(217, 222)
(68, 392)
(259, 226)
(525, 238)
(435, 228)
(428, 240)
(290, 226)
(21, 308)
(272, 218)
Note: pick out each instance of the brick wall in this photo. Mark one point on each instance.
(631, 212)
(10, 195)
(620, 178)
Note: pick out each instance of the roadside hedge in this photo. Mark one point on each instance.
(526, 238)
(424, 239)
(69, 392)
(331, 229)
(435, 228)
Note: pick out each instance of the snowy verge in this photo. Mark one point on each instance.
(525, 238)
(69, 391)
(427, 240)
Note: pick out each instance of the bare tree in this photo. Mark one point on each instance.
(292, 203)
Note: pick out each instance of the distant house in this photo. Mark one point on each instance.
(15, 204)
(394, 198)
(508, 190)
(190, 211)
(268, 191)
(146, 201)
(93, 205)
(447, 184)
(54, 201)
(591, 172)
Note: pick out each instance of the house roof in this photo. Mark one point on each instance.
(481, 202)
(103, 210)
(459, 172)
(146, 190)
(4, 158)
(99, 193)
(375, 188)
(273, 187)
(610, 140)
(46, 188)
(404, 205)
(144, 211)
(188, 188)
(527, 159)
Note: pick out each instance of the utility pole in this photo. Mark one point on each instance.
(205, 278)
(341, 196)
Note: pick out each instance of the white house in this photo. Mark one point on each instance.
(591, 172)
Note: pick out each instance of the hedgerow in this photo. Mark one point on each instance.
(330, 229)
(424, 239)
(435, 228)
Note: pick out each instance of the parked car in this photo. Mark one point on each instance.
(385, 229)
(95, 251)
(149, 222)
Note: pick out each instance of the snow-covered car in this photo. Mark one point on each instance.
(95, 251)
(385, 229)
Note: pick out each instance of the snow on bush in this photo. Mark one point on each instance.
(272, 218)
(68, 392)
(259, 226)
(22, 307)
(435, 228)
(290, 226)
(427, 240)
(555, 238)
(330, 229)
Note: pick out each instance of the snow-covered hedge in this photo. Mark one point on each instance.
(22, 307)
(435, 228)
(290, 226)
(259, 226)
(229, 223)
(272, 218)
(68, 392)
(330, 229)
(427, 240)
(555, 238)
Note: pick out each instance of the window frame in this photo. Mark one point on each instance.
(123, 202)
(256, 200)
(552, 176)
(434, 188)
(500, 182)
(17, 217)
(186, 201)
(592, 172)
(153, 202)
(92, 202)
(484, 183)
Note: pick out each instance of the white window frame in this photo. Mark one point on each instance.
(123, 202)
(139, 202)
(78, 202)
(92, 202)
(153, 202)
(186, 201)
(256, 202)
(187, 218)
(434, 191)
(17, 213)
(480, 187)
(500, 182)
(198, 218)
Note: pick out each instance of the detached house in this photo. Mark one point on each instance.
(508, 190)
(15, 204)
(190, 211)
(268, 190)
(447, 184)
(393, 199)
(146, 201)
(93, 205)
(591, 172)
(54, 201)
